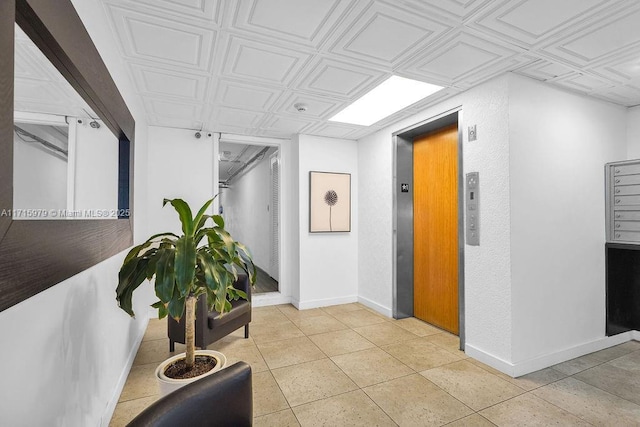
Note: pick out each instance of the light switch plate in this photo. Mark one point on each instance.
(473, 135)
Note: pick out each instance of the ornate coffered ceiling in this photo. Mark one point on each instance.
(239, 66)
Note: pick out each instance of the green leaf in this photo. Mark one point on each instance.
(185, 264)
(176, 305)
(162, 309)
(165, 275)
(218, 220)
(199, 216)
(124, 298)
(184, 212)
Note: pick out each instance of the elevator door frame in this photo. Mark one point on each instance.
(403, 215)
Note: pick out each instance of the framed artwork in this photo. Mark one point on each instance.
(329, 202)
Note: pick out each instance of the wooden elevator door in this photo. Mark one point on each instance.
(435, 228)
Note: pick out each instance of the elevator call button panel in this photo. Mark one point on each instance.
(472, 214)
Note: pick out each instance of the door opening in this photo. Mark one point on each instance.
(426, 227)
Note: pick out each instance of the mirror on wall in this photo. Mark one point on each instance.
(65, 158)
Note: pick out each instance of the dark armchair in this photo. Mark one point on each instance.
(212, 327)
(223, 398)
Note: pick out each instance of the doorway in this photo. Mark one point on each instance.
(428, 220)
(249, 181)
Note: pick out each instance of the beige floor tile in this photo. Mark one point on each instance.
(472, 385)
(262, 333)
(156, 330)
(319, 324)
(415, 401)
(340, 342)
(385, 333)
(348, 409)
(537, 379)
(267, 397)
(290, 352)
(155, 351)
(293, 313)
(141, 382)
(311, 381)
(234, 340)
(417, 326)
(590, 403)
(475, 420)
(579, 364)
(371, 366)
(527, 382)
(341, 308)
(284, 418)
(529, 410)
(249, 354)
(617, 351)
(620, 377)
(420, 354)
(446, 341)
(126, 411)
(360, 317)
(267, 315)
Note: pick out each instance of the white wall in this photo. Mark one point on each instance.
(96, 169)
(559, 143)
(328, 261)
(70, 347)
(247, 212)
(487, 267)
(39, 177)
(633, 132)
(180, 166)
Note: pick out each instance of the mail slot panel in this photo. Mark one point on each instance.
(628, 169)
(627, 226)
(626, 215)
(626, 200)
(622, 198)
(626, 190)
(626, 236)
(626, 180)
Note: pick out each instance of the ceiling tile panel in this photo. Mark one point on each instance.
(459, 58)
(306, 21)
(328, 76)
(583, 82)
(151, 38)
(609, 37)
(527, 22)
(331, 130)
(544, 70)
(158, 82)
(285, 124)
(459, 10)
(316, 106)
(262, 62)
(625, 69)
(246, 95)
(384, 34)
(624, 95)
(206, 11)
(236, 117)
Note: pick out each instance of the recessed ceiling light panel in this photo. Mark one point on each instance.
(390, 96)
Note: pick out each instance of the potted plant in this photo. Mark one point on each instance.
(203, 260)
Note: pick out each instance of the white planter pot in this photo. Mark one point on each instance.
(167, 385)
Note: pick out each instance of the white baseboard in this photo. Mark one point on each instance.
(111, 406)
(270, 298)
(325, 302)
(375, 306)
(527, 366)
(635, 335)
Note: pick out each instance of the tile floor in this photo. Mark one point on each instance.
(347, 365)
